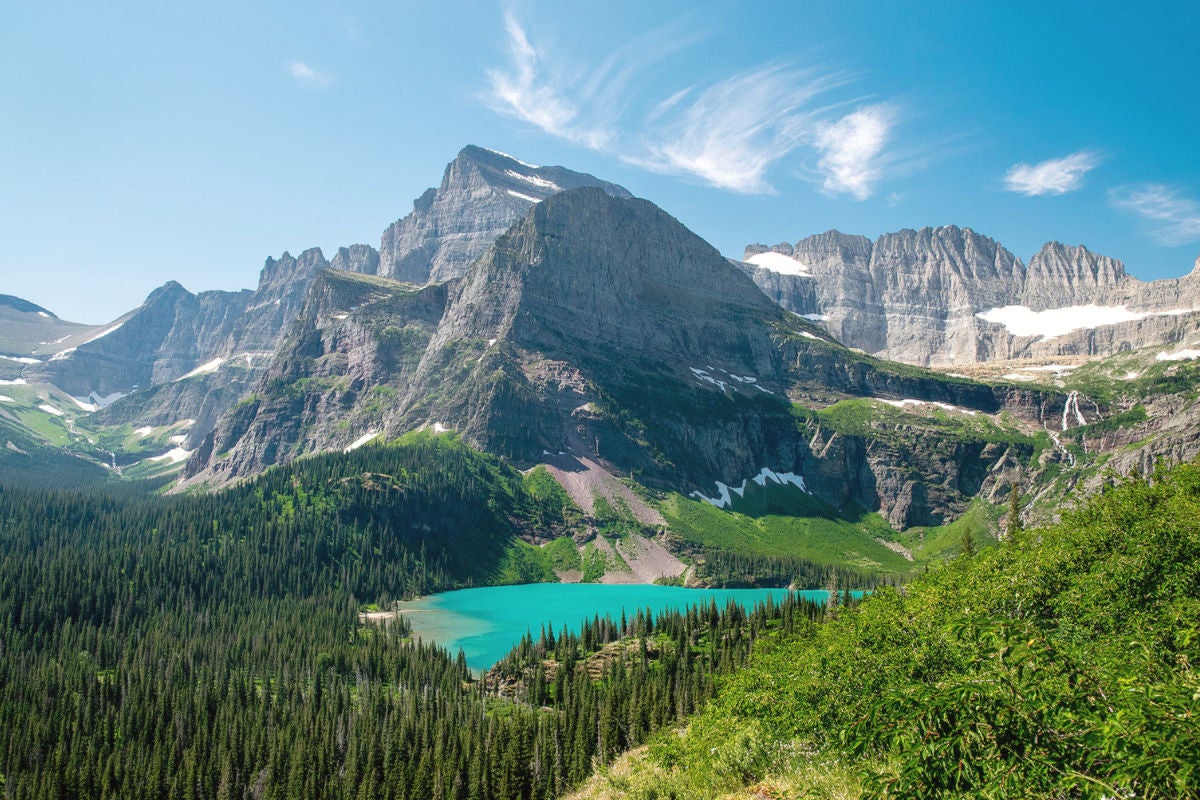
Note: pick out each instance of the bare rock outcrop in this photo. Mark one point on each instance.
(948, 295)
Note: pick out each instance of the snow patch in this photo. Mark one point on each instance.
(1179, 355)
(144, 431)
(816, 317)
(440, 428)
(6, 399)
(49, 409)
(1057, 369)
(94, 398)
(512, 158)
(14, 382)
(808, 335)
(83, 404)
(520, 196)
(706, 376)
(43, 314)
(62, 354)
(360, 441)
(203, 369)
(491, 342)
(534, 180)
(702, 375)
(724, 492)
(179, 438)
(22, 359)
(174, 455)
(341, 316)
(1016, 376)
(103, 333)
(778, 262)
(1054, 322)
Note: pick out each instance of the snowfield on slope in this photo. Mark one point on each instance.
(778, 262)
(1055, 322)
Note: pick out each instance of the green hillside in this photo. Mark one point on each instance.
(1060, 664)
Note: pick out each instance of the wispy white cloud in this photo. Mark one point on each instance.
(852, 150)
(307, 75)
(732, 132)
(728, 133)
(1055, 176)
(524, 91)
(1173, 219)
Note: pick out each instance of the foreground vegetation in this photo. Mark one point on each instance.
(1061, 664)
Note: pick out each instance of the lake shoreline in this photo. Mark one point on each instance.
(487, 622)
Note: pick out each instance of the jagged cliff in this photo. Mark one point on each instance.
(600, 326)
(482, 194)
(948, 295)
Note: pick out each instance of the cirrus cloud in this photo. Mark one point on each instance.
(851, 150)
(1173, 218)
(728, 133)
(1054, 176)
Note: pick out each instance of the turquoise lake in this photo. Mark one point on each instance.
(487, 622)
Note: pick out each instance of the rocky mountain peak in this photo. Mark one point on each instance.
(483, 192)
(360, 258)
(278, 273)
(1059, 275)
(590, 265)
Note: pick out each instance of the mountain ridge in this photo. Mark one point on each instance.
(948, 295)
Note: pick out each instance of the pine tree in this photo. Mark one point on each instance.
(968, 543)
(1014, 526)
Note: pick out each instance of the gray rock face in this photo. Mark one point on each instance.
(916, 296)
(163, 339)
(481, 195)
(175, 332)
(600, 326)
(356, 258)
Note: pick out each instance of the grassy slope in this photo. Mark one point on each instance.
(784, 521)
(1060, 664)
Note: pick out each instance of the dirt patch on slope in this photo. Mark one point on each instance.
(584, 480)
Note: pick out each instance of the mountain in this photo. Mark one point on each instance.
(599, 330)
(592, 334)
(26, 328)
(482, 194)
(192, 356)
(950, 296)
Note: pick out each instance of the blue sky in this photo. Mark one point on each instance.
(146, 142)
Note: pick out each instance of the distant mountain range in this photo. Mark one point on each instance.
(549, 317)
(949, 296)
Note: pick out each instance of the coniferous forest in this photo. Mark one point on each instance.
(209, 646)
